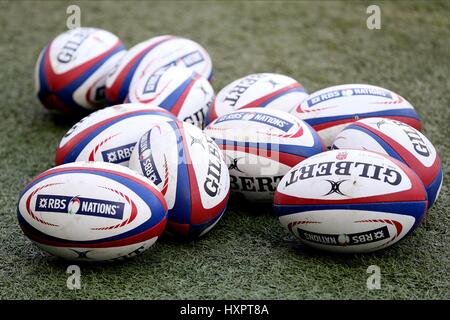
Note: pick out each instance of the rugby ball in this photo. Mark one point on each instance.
(109, 134)
(70, 74)
(264, 90)
(401, 142)
(92, 212)
(189, 169)
(149, 56)
(260, 145)
(178, 89)
(329, 110)
(350, 201)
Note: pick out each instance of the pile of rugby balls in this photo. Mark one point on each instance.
(162, 153)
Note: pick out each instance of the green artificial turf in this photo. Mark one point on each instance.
(248, 254)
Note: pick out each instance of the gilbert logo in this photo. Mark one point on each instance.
(79, 205)
(386, 174)
(234, 164)
(69, 50)
(235, 93)
(213, 175)
(416, 139)
(335, 187)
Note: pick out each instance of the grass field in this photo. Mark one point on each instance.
(248, 255)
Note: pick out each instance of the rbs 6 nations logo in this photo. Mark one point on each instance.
(263, 118)
(79, 205)
(348, 92)
(119, 154)
(345, 239)
(146, 160)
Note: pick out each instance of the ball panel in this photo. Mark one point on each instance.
(149, 56)
(198, 187)
(260, 145)
(124, 211)
(71, 71)
(329, 109)
(397, 140)
(351, 229)
(341, 199)
(109, 135)
(264, 90)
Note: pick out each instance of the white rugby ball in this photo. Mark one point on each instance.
(260, 145)
(400, 141)
(151, 55)
(70, 74)
(265, 90)
(329, 110)
(189, 169)
(109, 134)
(92, 212)
(178, 89)
(350, 201)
